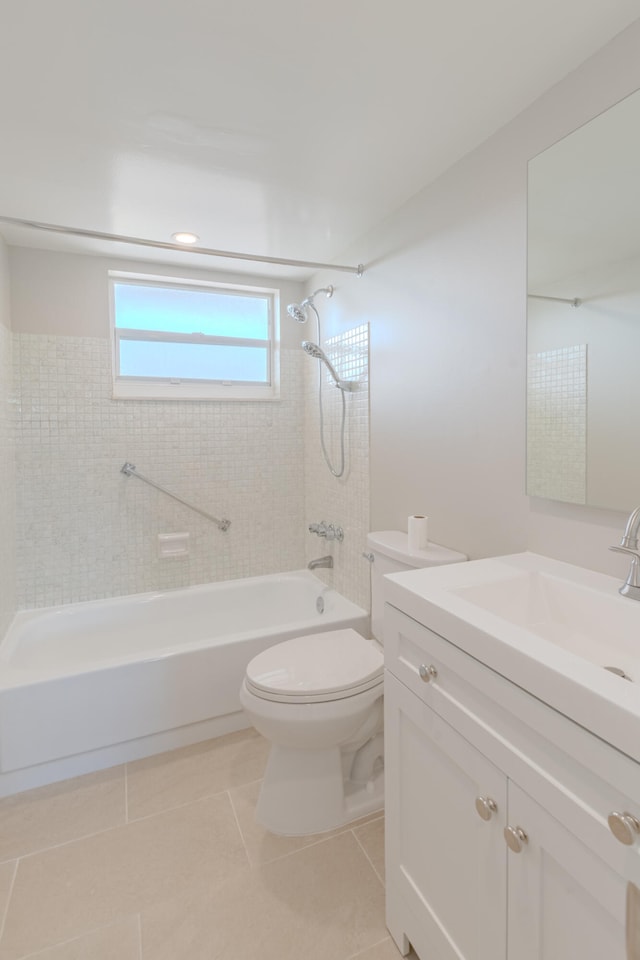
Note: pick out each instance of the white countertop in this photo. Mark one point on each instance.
(548, 626)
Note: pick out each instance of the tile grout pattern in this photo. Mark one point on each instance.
(345, 500)
(187, 868)
(89, 532)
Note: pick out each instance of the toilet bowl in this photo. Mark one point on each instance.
(318, 699)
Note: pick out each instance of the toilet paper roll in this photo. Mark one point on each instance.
(417, 528)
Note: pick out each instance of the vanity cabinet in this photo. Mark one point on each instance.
(498, 844)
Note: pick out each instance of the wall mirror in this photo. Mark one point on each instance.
(583, 330)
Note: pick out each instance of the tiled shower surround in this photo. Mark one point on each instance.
(557, 424)
(343, 501)
(7, 486)
(86, 531)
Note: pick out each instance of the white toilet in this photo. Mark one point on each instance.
(318, 699)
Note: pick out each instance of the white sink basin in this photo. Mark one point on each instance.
(588, 623)
(548, 626)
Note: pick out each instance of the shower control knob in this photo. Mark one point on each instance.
(486, 807)
(516, 838)
(427, 673)
(624, 826)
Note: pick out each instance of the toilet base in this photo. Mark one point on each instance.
(304, 792)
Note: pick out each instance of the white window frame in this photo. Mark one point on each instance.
(158, 388)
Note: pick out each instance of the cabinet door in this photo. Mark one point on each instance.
(564, 901)
(446, 866)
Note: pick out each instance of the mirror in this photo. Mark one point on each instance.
(583, 330)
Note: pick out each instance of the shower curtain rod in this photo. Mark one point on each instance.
(573, 301)
(161, 245)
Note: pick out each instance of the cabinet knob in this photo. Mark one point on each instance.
(486, 807)
(516, 838)
(624, 826)
(427, 673)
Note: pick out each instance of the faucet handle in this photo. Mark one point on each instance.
(630, 553)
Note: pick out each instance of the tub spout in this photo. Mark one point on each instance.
(321, 562)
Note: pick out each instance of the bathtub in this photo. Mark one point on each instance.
(90, 685)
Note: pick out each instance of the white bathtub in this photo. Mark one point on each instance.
(88, 685)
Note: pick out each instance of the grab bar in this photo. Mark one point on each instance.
(129, 470)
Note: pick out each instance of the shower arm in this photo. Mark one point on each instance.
(129, 470)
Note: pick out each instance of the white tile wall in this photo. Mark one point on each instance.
(86, 531)
(7, 485)
(557, 424)
(343, 501)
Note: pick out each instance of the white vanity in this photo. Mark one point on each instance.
(512, 761)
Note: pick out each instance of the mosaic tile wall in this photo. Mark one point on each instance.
(557, 424)
(343, 501)
(7, 485)
(86, 531)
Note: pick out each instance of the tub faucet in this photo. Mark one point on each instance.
(321, 562)
(629, 545)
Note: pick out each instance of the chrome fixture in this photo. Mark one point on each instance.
(318, 354)
(629, 545)
(327, 530)
(486, 807)
(321, 562)
(624, 826)
(161, 245)
(299, 310)
(369, 557)
(427, 673)
(129, 470)
(516, 838)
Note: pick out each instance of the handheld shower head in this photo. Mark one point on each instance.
(299, 310)
(318, 353)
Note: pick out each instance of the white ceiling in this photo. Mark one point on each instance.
(282, 128)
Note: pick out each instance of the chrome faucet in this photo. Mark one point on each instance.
(629, 545)
(321, 562)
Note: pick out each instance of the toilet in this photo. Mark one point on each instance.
(318, 699)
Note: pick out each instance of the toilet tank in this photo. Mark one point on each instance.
(390, 550)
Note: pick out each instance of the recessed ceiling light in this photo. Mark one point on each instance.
(185, 237)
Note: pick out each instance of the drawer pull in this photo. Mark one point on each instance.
(624, 826)
(486, 807)
(427, 673)
(516, 838)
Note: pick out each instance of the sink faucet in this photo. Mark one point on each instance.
(321, 562)
(629, 545)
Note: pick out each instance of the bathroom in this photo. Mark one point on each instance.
(443, 301)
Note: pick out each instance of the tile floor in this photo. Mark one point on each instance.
(162, 859)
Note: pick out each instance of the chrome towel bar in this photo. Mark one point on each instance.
(129, 470)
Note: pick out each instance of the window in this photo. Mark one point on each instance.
(192, 339)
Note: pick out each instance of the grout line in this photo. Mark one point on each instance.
(76, 938)
(322, 838)
(368, 858)
(246, 850)
(378, 943)
(9, 895)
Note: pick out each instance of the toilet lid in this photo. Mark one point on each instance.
(318, 664)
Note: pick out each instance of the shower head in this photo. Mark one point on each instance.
(318, 353)
(299, 310)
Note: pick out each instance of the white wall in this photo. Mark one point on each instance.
(445, 294)
(7, 459)
(84, 530)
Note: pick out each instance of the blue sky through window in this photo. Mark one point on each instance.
(185, 310)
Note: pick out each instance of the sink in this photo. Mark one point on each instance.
(559, 631)
(589, 623)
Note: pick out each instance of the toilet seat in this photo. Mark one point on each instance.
(316, 668)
